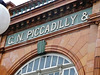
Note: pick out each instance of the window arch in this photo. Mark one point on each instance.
(49, 64)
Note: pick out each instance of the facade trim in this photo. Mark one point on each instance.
(49, 49)
(66, 30)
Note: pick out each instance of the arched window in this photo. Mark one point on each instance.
(49, 64)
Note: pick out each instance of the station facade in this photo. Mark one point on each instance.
(52, 37)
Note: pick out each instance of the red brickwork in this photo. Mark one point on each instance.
(80, 43)
(97, 66)
(73, 45)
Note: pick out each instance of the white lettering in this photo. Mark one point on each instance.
(41, 30)
(66, 22)
(84, 16)
(47, 29)
(33, 32)
(20, 37)
(11, 40)
(53, 26)
(60, 24)
(36, 32)
(73, 19)
(29, 33)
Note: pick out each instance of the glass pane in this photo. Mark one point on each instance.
(51, 74)
(38, 3)
(66, 72)
(72, 71)
(42, 63)
(25, 8)
(44, 74)
(43, 1)
(22, 9)
(19, 72)
(34, 4)
(24, 69)
(46, 1)
(65, 61)
(56, 73)
(14, 12)
(48, 60)
(60, 61)
(30, 6)
(54, 61)
(36, 64)
(17, 11)
(30, 66)
(49, 1)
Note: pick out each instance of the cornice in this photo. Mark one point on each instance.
(40, 10)
(23, 4)
(40, 18)
(94, 18)
(47, 36)
(26, 3)
(47, 16)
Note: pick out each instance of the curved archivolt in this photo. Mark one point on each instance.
(49, 64)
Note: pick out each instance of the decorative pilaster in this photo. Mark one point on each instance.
(97, 65)
(0, 49)
(94, 42)
(97, 53)
(0, 39)
(2, 44)
(91, 48)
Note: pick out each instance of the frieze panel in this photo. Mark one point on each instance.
(49, 27)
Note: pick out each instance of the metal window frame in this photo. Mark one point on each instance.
(50, 69)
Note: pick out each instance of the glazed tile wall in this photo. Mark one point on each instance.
(76, 42)
(83, 43)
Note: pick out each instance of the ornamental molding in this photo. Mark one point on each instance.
(18, 23)
(94, 18)
(44, 37)
(55, 49)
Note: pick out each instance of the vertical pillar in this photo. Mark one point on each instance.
(91, 48)
(0, 39)
(2, 43)
(0, 54)
(3, 70)
(97, 65)
(0, 48)
(97, 54)
(96, 9)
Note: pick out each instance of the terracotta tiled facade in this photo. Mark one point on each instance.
(80, 43)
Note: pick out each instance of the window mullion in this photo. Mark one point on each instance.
(45, 61)
(21, 71)
(32, 65)
(27, 68)
(51, 69)
(39, 63)
(69, 72)
(68, 65)
(46, 71)
(51, 61)
(60, 71)
(39, 73)
(57, 60)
